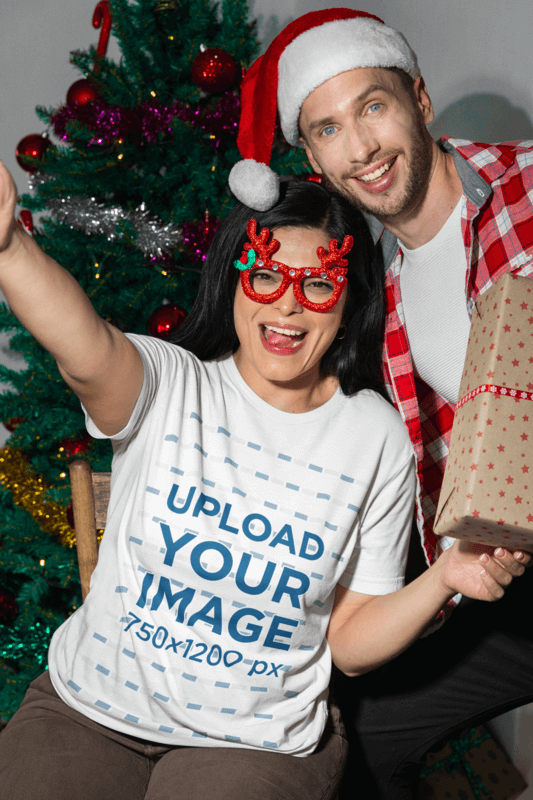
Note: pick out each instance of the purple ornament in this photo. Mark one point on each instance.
(197, 237)
(145, 122)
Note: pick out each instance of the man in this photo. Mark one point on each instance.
(451, 217)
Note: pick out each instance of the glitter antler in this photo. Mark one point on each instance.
(259, 243)
(333, 258)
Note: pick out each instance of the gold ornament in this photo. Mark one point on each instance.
(165, 5)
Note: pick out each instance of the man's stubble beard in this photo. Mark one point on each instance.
(419, 168)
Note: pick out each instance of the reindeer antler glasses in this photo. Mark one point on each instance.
(315, 288)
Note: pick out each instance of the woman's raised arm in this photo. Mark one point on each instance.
(96, 360)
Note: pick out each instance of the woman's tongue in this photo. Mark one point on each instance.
(281, 339)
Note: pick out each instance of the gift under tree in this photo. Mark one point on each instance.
(130, 176)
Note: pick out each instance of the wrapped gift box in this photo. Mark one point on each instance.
(487, 491)
(471, 767)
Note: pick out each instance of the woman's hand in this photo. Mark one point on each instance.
(480, 571)
(367, 631)
(8, 200)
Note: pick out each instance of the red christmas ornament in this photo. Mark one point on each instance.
(214, 70)
(26, 220)
(74, 447)
(103, 16)
(81, 92)
(165, 320)
(8, 608)
(34, 146)
(315, 178)
(12, 423)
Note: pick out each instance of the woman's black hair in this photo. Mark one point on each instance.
(209, 331)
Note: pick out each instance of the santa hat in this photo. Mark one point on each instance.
(308, 52)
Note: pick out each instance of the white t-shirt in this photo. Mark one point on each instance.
(229, 527)
(432, 282)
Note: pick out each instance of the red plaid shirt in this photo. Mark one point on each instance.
(497, 227)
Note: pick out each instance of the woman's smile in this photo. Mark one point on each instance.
(281, 339)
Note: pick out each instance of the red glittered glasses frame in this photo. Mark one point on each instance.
(256, 255)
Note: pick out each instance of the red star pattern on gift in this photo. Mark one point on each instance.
(480, 460)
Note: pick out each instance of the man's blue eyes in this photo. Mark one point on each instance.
(329, 130)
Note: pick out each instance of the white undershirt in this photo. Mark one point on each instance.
(432, 282)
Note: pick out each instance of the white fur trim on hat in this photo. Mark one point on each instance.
(327, 50)
(254, 184)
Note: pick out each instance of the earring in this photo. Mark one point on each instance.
(343, 332)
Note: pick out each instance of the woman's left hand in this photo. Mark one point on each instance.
(480, 571)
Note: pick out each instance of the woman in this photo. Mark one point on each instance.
(261, 501)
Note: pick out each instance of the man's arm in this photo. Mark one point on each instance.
(366, 631)
(97, 361)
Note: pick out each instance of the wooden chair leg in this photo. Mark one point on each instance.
(84, 521)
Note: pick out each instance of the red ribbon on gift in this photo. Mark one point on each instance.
(504, 391)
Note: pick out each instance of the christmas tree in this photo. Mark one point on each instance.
(131, 183)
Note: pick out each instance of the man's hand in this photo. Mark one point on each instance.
(480, 571)
(8, 200)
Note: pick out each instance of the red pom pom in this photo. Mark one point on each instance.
(81, 92)
(214, 70)
(165, 320)
(34, 146)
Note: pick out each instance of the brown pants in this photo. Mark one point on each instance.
(48, 751)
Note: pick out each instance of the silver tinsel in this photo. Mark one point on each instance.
(154, 238)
